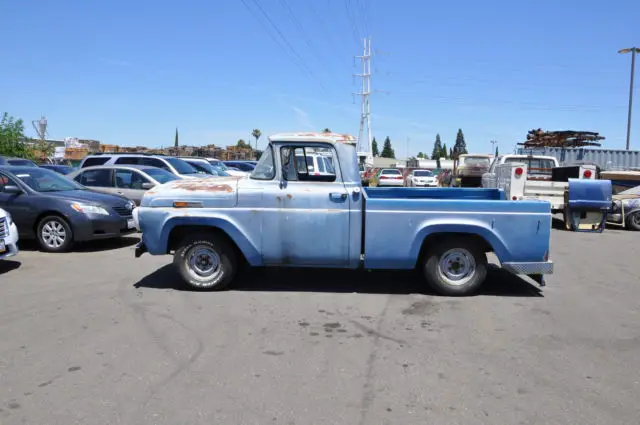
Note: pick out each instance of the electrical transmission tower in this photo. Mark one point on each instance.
(364, 145)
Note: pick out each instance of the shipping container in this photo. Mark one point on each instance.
(606, 159)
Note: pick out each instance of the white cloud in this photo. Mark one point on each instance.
(302, 118)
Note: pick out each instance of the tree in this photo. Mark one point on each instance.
(256, 133)
(460, 147)
(241, 144)
(374, 148)
(326, 130)
(437, 148)
(445, 152)
(387, 150)
(450, 153)
(420, 155)
(175, 142)
(12, 140)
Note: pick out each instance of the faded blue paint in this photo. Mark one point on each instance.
(319, 224)
(586, 193)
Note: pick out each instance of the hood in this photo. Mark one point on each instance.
(88, 196)
(211, 192)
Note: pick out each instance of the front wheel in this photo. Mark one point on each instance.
(54, 234)
(205, 262)
(455, 267)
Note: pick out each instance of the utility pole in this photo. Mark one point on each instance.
(633, 51)
(365, 94)
(493, 145)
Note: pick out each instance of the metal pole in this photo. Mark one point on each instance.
(633, 66)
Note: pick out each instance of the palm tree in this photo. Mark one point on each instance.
(256, 133)
(326, 130)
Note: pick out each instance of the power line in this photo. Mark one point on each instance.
(300, 62)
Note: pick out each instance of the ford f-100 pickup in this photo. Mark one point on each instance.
(287, 213)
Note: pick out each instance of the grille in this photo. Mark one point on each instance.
(123, 211)
(4, 229)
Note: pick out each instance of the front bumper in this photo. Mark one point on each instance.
(10, 243)
(94, 227)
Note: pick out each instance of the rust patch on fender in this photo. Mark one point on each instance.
(290, 196)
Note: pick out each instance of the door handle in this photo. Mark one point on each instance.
(337, 196)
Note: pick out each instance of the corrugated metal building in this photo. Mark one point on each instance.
(606, 159)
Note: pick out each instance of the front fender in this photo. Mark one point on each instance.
(157, 241)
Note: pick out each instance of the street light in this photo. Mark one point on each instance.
(633, 51)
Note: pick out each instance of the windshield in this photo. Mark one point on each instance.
(21, 163)
(477, 160)
(181, 166)
(202, 167)
(42, 180)
(266, 169)
(632, 191)
(160, 175)
(218, 165)
(423, 173)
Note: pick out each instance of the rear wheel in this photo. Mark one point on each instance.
(633, 221)
(455, 267)
(206, 262)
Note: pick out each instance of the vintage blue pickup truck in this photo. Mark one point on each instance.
(304, 206)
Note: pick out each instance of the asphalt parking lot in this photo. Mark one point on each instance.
(98, 337)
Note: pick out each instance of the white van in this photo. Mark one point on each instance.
(8, 235)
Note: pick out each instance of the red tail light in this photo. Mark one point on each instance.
(519, 171)
(399, 177)
(383, 177)
(587, 174)
(513, 198)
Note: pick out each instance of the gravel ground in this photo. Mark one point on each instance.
(98, 337)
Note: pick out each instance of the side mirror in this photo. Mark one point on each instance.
(147, 185)
(12, 189)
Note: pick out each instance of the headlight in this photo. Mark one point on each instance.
(89, 209)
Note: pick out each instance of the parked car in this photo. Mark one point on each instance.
(421, 178)
(130, 181)
(57, 211)
(172, 164)
(245, 166)
(219, 165)
(8, 160)
(8, 233)
(60, 169)
(388, 177)
(204, 166)
(625, 209)
(282, 215)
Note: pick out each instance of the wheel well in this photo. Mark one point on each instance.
(435, 238)
(178, 233)
(45, 214)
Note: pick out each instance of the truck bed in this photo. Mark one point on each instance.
(434, 193)
(398, 220)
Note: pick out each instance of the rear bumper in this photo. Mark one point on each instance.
(537, 268)
(395, 183)
(432, 184)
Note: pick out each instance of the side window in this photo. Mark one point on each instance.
(89, 162)
(266, 168)
(129, 179)
(155, 162)
(97, 178)
(129, 160)
(298, 164)
(6, 181)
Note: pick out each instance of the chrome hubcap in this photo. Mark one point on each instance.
(204, 262)
(456, 266)
(53, 234)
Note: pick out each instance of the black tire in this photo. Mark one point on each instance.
(218, 263)
(633, 221)
(54, 234)
(457, 252)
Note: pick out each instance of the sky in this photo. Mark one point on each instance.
(130, 72)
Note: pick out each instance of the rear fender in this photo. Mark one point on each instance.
(249, 250)
(494, 241)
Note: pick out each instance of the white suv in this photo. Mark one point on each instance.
(172, 164)
(8, 235)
